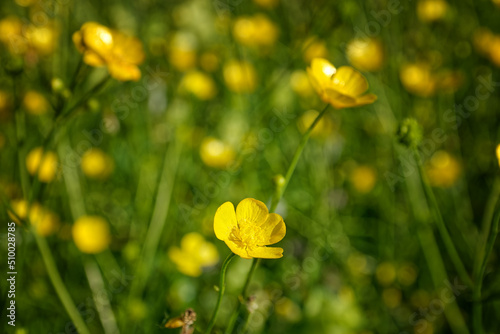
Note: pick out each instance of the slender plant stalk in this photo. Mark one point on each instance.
(222, 288)
(438, 218)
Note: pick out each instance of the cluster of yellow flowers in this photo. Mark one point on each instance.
(27, 39)
(488, 44)
(421, 80)
(102, 46)
(43, 220)
(194, 254)
(44, 164)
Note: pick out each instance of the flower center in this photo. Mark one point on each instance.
(245, 235)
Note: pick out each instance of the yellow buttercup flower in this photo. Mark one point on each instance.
(35, 103)
(498, 154)
(200, 85)
(248, 230)
(366, 54)
(418, 79)
(342, 87)
(443, 169)
(240, 76)
(43, 39)
(255, 31)
(11, 34)
(96, 164)
(45, 221)
(194, 254)
(44, 162)
(182, 51)
(102, 46)
(322, 129)
(216, 153)
(431, 10)
(363, 178)
(314, 48)
(91, 234)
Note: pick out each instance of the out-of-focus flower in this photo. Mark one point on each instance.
(45, 221)
(44, 162)
(366, 54)
(35, 103)
(11, 34)
(385, 273)
(268, 4)
(21, 38)
(391, 297)
(449, 81)
(91, 234)
(182, 51)
(314, 48)
(102, 46)
(43, 39)
(255, 31)
(495, 51)
(216, 153)
(418, 79)
(431, 10)
(363, 178)
(199, 84)
(209, 61)
(342, 87)
(498, 154)
(248, 230)
(482, 40)
(240, 76)
(323, 128)
(194, 254)
(407, 274)
(96, 164)
(300, 83)
(443, 169)
(286, 308)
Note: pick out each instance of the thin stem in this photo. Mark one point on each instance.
(295, 160)
(438, 218)
(222, 288)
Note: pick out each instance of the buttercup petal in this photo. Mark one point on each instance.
(272, 230)
(251, 211)
(339, 100)
(192, 242)
(366, 99)
(349, 82)
(237, 249)
(266, 252)
(225, 221)
(93, 59)
(124, 71)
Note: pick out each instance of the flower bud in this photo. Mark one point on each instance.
(409, 133)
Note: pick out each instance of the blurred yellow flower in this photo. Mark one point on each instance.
(496, 2)
(43, 39)
(240, 76)
(91, 234)
(418, 79)
(498, 154)
(366, 54)
(300, 84)
(314, 48)
(182, 51)
(385, 273)
(45, 163)
(209, 61)
(323, 128)
(96, 164)
(289, 310)
(35, 103)
(248, 230)
(482, 40)
(45, 221)
(407, 274)
(11, 34)
(443, 169)
(216, 153)
(268, 4)
(194, 254)
(102, 46)
(363, 178)
(431, 10)
(199, 84)
(255, 31)
(341, 87)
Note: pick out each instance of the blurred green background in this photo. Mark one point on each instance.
(217, 114)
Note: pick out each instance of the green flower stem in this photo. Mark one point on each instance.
(295, 160)
(243, 297)
(448, 242)
(477, 306)
(222, 287)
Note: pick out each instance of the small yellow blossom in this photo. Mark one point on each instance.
(45, 221)
(342, 87)
(431, 10)
(366, 54)
(200, 85)
(418, 79)
(216, 153)
(255, 31)
(96, 164)
(43, 39)
(35, 103)
(182, 51)
(443, 169)
(498, 154)
(102, 46)
(194, 254)
(248, 230)
(11, 34)
(240, 76)
(91, 234)
(314, 48)
(407, 274)
(322, 129)
(44, 162)
(363, 178)
(300, 83)
(385, 273)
